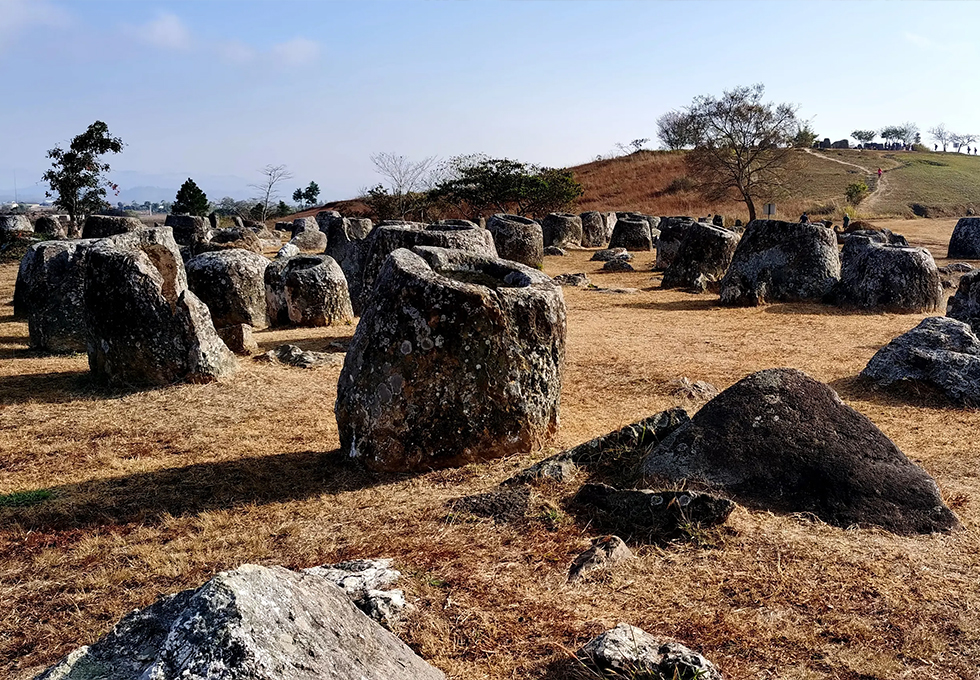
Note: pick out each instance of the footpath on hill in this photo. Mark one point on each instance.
(878, 184)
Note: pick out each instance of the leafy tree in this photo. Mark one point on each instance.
(675, 130)
(805, 136)
(268, 188)
(311, 193)
(855, 192)
(191, 200)
(743, 145)
(477, 184)
(77, 175)
(864, 136)
(282, 209)
(298, 197)
(905, 134)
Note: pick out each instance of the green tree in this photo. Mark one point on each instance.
(855, 192)
(311, 193)
(282, 209)
(298, 197)
(77, 175)
(191, 200)
(805, 136)
(743, 145)
(864, 136)
(477, 184)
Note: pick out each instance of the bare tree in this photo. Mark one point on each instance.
(966, 140)
(743, 145)
(941, 135)
(267, 191)
(405, 178)
(675, 129)
(909, 133)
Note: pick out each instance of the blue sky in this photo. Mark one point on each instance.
(217, 89)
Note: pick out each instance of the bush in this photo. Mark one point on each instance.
(856, 192)
(679, 184)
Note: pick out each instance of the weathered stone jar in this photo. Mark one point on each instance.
(457, 358)
(518, 239)
(702, 258)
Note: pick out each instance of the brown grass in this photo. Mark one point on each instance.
(157, 490)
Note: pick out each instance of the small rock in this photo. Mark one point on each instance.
(632, 652)
(683, 387)
(611, 254)
(606, 551)
(618, 265)
(294, 356)
(555, 251)
(572, 280)
(654, 516)
(288, 250)
(501, 505)
(615, 291)
(367, 584)
(239, 339)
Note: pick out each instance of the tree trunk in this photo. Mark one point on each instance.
(751, 206)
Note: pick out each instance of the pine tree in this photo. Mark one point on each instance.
(190, 200)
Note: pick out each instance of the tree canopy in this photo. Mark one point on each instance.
(77, 175)
(190, 200)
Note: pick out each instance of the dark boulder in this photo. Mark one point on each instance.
(252, 623)
(554, 251)
(632, 233)
(49, 288)
(781, 262)
(881, 235)
(940, 353)
(965, 241)
(101, 226)
(232, 284)
(144, 326)
(580, 280)
(301, 224)
(965, 304)
(779, 440)
(239, 339)
(701, 259)
(189, 230)
(628, 652)
(651, 516)
(457, 358)
(618, 264)
(346, 243)
(47, 224)
(518, 239)
(562, 230)
(594, 233)
(672, 233)
(387, 238)
(889, 278)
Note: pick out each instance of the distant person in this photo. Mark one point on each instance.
(935, 147)
(847, 221)
(879, 173)
(804, 219)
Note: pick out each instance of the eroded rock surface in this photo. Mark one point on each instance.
(605, 552)
(252, 623)
(518, 239)
(702, 258)
(965, 304)
(189, 230)
(562, 230)
(779, 440)
(781, 262)
(629, 652)
(632, 233)
(102, 226)
(317, 295)
(890, 278)
(594, 231)
(940, 353)
(965, 241)
(15, 223)
(672, 233)
(232, 284)
(458, 358)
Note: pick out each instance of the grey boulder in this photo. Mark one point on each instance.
(15, 223)
(605, 552)
(189, 230)
(965, 304)
(701, 259)
(629, 652)
(965, 240)
(889, 278)
(102, 226)
(310, 240)
(940, 353)
(316, 295)
(782, 262)
(672, 233)
(518, 239)
(445, 369)
(232, 284)
(252, 623)
(595, 233)
(632, 233)
(562, 230)
(145, 327)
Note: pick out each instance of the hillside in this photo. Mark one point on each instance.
(923, 183)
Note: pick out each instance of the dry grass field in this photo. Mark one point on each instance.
(155, 491)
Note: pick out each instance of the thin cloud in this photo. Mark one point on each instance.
(236, 52)
(167, 31)
(18, 16)
(296, 52)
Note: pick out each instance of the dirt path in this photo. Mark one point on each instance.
(879, 183)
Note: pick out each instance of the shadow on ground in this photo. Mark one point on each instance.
(58, 387)
(694, 305)
(144, 498)
(855, 388)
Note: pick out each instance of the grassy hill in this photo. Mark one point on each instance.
(923, 183)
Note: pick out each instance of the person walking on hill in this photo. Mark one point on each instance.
(804, 219)
(879, 173)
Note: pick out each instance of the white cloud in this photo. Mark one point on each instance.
(296, 52)
(166, 31)
(236, 52)
(17, 16)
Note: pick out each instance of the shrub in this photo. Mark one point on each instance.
(855, 192)
(679, 184)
